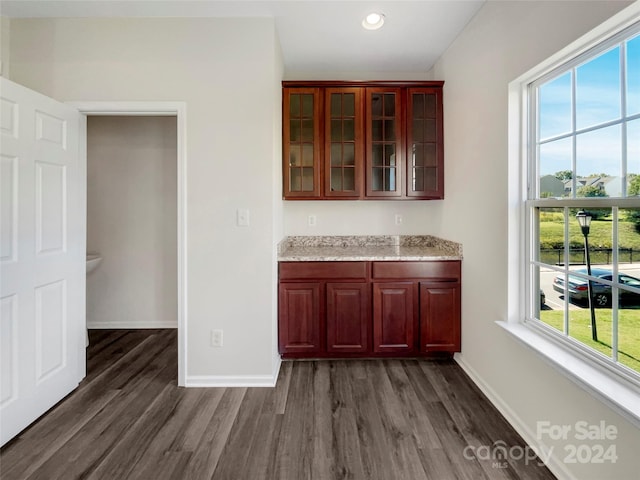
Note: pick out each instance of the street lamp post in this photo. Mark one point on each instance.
(584, 219)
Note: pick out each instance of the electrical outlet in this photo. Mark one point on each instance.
(216, 338)
(312, 220)
(242, 217)
(398, 219)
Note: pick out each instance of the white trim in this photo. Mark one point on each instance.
(179, 110)
(555, 464)
(130, 325)
(157, 109)
(234, 380)
(516, 196)
(82, 155)
(585, 202)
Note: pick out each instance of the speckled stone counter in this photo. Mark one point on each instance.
(367, 248)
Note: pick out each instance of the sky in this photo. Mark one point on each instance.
(598, 99)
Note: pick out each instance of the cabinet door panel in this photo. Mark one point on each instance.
(301, 142)
(384, 133)
(440, 317)
(347, 317)
(394, 316)
(299, 317)
(425, 158)
(344, 142)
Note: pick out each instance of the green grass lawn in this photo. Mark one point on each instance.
(552, 237)
(580, 329)
(552, 233)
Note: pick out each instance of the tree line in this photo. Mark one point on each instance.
(593, 191)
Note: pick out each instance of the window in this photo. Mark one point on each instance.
(574, 286)
(584, 161)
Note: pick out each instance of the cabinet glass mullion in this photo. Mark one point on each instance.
(343, 142)
(425, 176)
(301, 142)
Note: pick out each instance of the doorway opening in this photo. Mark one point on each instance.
(145, 244)
(131, 224)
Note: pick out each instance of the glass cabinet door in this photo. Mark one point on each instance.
(343, 142)
(301, 142)
(425, 172)
(384, 145)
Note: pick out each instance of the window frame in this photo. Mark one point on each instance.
(613, 385)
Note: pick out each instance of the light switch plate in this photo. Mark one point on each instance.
(242, 217)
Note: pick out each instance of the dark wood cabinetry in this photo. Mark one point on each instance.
(363, 140)
(347, 314)
(301, 137)
(322, 306)
(385, 151)
(300, 314)
(395, 310)
(360, 309)
(439, 317)
(425, 157)
(343, 143)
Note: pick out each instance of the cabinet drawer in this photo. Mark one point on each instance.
(322, 270)
(437, 270)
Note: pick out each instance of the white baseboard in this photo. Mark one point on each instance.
(234, 380)
(130, 325)
(231, 381)
(557, 467)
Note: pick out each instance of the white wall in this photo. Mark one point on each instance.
(226, 70)
(132, 222)
(362, 217)
(5, 42)
(503, 41)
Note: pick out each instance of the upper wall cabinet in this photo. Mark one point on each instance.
(362, 140)
(301, 141)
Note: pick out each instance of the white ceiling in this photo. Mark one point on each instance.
(316, 35)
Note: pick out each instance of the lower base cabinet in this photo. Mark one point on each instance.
(299, 314)
(439, 317)
(395, 310)
(369, 309)
(347, 318)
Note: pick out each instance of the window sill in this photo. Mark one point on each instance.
(615, 392)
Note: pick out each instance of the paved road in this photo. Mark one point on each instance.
(555, 300)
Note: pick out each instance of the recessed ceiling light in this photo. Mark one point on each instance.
(373, 21)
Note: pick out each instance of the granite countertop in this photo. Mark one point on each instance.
(367, 248)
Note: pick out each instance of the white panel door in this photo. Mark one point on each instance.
(42, 254)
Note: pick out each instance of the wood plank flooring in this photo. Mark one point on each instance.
(324, 420)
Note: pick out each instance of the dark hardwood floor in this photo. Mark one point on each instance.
(325, 420)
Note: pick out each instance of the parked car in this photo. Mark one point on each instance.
(543, 298)
(578, 287)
